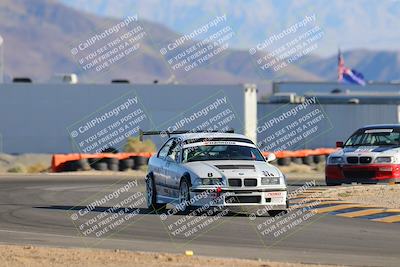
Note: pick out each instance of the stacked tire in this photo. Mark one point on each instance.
(126, 164)
(139, 161)
(98, 164)
(105, 164)
(75, 165)
(112, 163)
(306, 160)
(284, 161)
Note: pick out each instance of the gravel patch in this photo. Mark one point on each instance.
(44, 256)
(385, 196)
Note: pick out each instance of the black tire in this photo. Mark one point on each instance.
(274, 213)
(297, 161)
(319, 159)
(151, 195)
(126, 164)
(113, 167)
(284, 161)
(329, 183)
(69, 166)
(111, 161)
(84, 165)
(100, 166)
(309, 160)
(184, 198)
(139, 161)
(92, 161)
(75, 165)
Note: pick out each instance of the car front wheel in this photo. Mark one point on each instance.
(331, 183)
(274, 213)
(184, 195)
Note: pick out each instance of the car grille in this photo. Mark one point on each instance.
(250, 182)
(352, 160)
(359, 174)
(365, 159)
(243, 199)
(235, 182)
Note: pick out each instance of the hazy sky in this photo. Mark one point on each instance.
(352, 24)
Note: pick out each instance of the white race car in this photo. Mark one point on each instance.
(224, 169)
(370, 155)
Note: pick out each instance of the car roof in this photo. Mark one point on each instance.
(381, 126)
(188, 136)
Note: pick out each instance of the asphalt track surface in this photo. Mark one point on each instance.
(37, 210)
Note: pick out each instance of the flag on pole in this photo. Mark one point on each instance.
(348, 75)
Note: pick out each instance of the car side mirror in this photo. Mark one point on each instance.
(339, 144)
(271, 157)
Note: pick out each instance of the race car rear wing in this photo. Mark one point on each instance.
(168, 133)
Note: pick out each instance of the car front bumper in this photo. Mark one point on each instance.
(242, 200)
(368, 173)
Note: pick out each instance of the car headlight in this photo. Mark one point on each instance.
(384, 160)
(209, 181)
(270, 180)
(335, 160)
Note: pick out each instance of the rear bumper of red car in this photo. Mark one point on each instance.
(362, 173)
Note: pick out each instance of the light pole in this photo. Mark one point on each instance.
(1, 60)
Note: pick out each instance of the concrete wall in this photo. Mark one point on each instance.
(41, 118)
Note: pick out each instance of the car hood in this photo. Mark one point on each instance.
(232, 168)
(367, 150)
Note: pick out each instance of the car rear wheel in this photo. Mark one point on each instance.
(151, 195)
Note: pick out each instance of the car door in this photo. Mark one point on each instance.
(159, 169)
(172, 164)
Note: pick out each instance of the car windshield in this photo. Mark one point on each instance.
(375, 137)
(221, 152)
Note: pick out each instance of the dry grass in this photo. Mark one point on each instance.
(37, 168)
(31, 163)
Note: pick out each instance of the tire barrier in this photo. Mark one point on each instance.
(76, 165)
(134, 161)
(100, 166)
(139, 161)
(100, 162)
(126, 164)
(305, 156)
(307, 160)
(112, 163)
(319, 158)
(297, 160)
(284, 161)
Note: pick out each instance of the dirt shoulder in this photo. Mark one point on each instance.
(44, 256)
(385, 196)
